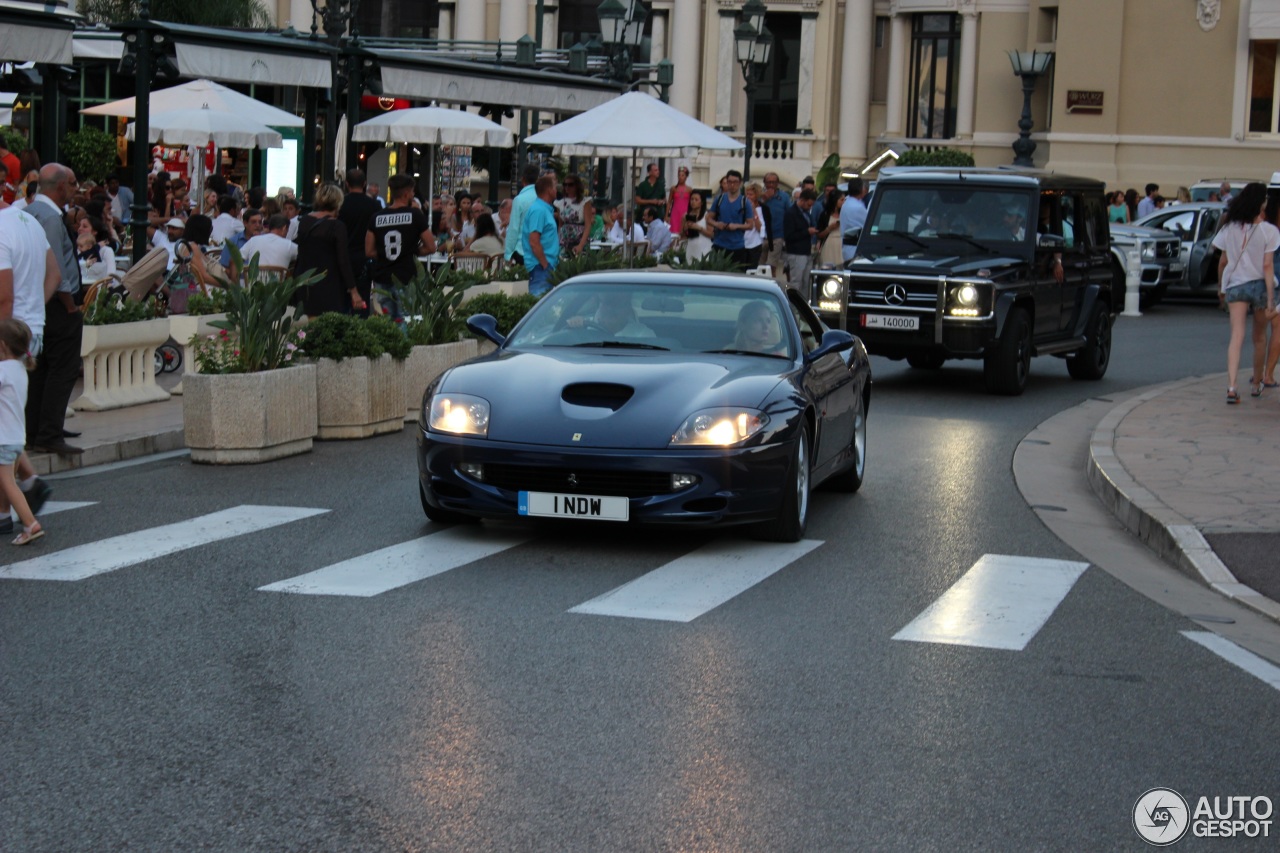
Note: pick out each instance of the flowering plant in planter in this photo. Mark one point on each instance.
(259, 323)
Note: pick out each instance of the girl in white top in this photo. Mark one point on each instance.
(753, 237)
(15, 339)
(697, 236)
(1246, 278)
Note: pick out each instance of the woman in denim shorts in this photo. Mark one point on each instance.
(1246, 277)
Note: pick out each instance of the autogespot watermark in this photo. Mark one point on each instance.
(1162, 816)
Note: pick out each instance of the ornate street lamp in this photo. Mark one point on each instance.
(753, 48)
(1030, 65)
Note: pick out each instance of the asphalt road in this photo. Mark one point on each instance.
(172, 705)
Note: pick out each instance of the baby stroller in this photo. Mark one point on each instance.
(145, 278)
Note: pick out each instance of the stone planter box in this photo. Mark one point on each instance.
(182, 328)
(120, 365)
(425, 363)
(250, 417)
(359, 397)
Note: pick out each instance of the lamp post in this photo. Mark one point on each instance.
(336, 17)
(1029, 65)
(621, 31)
(753, 44)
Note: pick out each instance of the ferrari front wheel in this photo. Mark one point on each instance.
(793, 515)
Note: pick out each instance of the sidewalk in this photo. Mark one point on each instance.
(120, 433)
(1199, 482)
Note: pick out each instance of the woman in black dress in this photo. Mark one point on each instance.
(322, 248)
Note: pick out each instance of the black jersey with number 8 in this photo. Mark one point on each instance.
(395, 236)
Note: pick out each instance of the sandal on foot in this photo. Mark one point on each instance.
(1271, 384)
(29, 534)
(1256, 390)
(1233, 396)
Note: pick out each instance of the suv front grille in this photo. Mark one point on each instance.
(536, 478)
(1167, 249)
(877, 298)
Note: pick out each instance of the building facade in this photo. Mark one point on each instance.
(1168, 91)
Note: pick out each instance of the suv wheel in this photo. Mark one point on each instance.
(1006, 367)
(1091, 360)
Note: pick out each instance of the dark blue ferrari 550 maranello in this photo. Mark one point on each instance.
(650, 397)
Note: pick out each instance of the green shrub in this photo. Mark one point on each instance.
(940, 157)
(511, 272)
(584, 263)
(90, 152)
(110, 308)
(715, 261)
(338, 336)
(389, 335)
(213, 302)
(507, 310)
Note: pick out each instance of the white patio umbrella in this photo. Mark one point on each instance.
(633, 125)
(197, 93)
(434, 126)
(204, 125)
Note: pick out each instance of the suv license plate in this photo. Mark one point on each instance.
(590, 507)
(899, 322)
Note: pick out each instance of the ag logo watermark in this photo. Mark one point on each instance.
(1160, 816)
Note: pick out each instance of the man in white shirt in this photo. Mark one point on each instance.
(617, 231)
(852, 216)
(29, 275)
(658, 233)
(271, 247)
(169, 238)
(227, 224)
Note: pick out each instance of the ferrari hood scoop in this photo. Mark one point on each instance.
(597, 395)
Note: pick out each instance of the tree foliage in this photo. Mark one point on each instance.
(247, 14)
(90, 152)
(940, 157)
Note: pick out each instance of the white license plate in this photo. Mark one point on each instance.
(899, 322)
(590, 507)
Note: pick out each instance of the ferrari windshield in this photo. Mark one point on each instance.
(657, 317)
(955, 220)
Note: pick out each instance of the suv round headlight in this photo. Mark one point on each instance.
(967, 295)
(831, 288)
(1148, 251)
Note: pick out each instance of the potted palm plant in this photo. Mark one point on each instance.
(359, 374)
(252, 400)
(434, 326)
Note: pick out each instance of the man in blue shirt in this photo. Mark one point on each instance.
(519, 206)
(540, 237)
(852, 216)
(729, 216)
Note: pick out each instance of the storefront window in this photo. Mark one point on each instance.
(935, 70)
(1262, 88)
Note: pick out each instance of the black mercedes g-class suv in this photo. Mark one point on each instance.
(997, 264)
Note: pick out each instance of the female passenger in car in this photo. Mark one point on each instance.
(758, 330)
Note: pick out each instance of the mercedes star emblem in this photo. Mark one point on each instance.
(895, 294)
(573, 479)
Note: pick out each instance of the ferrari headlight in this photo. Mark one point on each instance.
(967, 295)
(719, 427)
(459, 414)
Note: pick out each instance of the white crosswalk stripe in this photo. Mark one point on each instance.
(50, 507)
(388, 568)
(107, 555)
(1000, 603)
(689, 586)
(1241, 657)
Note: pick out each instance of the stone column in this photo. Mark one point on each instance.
(899, 48)
(550, 15)
(804, 94)
(855, 76)
(445, 30)
(657, 39)
(968, 72)
(469, 20)
(727, 72)
(686, 54)
(300, 13)
(513, 19)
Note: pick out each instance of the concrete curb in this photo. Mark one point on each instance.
(1166, 532)
(112, 451)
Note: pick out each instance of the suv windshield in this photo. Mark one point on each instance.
(928, 221)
